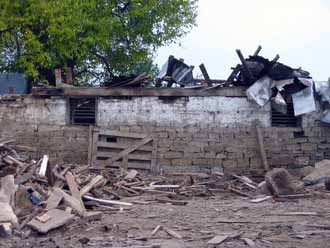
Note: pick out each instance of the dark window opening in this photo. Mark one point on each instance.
(285, 120)
(82, 111)
(111, 139)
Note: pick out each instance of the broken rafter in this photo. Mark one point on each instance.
(256, 53)
(246, 70)
(205, 75)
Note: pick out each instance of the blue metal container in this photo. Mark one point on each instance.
(13, 83)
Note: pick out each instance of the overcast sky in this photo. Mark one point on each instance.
(297, 30)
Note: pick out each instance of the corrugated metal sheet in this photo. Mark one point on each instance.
(13, 83)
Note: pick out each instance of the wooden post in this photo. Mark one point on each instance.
(58, 77)
(261, 146)
(68, 76)
(154, 165)
(90, 144)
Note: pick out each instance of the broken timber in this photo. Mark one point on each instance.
(85, 91)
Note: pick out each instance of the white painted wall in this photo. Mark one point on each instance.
(35, 111)
(215, 110)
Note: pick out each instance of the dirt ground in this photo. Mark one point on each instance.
(268, 224)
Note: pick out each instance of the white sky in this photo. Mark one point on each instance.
(297, 30)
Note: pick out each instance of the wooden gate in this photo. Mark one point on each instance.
(122, 149)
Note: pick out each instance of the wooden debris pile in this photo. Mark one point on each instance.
(40, 196)
(37, 195)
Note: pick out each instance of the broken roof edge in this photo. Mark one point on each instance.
(170, 92)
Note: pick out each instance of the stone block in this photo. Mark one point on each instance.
(229, 163)
(202, 161)
(170, 155)
(181, 162)
(308, 147)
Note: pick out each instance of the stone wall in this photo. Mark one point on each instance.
(194, 133)
(43, 124)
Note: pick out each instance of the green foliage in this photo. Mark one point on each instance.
(98, 38)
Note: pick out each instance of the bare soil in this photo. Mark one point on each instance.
(268, 224)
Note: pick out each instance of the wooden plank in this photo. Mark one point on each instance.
(144, 157)
(88, 91)
(124, 164)
(92, 184)
(130, 149)
(233, 75)
(154, 167)
(116, 145)
(90, 144)
(205, 75)
(73, 186)
(73, 202)
(107, 202)
(122, 134)
(256, 53)
(131, 165)
(44, 164)
(261, 146)
(54, 199)
(95, 141)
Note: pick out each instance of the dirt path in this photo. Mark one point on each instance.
(266, 223)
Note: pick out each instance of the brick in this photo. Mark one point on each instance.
(235, 155)
(173, 155)
(192, 149)
(165, 162)
(202, 161)
(308, 147)
(298, 141)
(221, 155)
(243, 163)
(229, 163)
(181, 162)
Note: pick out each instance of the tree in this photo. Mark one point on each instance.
(97, 38)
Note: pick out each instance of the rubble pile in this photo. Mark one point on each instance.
(35, 195)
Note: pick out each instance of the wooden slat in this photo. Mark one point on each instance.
(131, 165)
(261, 146)
(154, 168)
(90, 144)
(146, 157)
(95, 141)
(123, 134)
(130, 149)
(116, 145)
